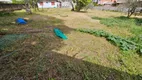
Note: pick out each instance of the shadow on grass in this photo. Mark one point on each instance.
(35, 58)
(138, 21)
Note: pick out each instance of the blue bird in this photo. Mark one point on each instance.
(21, 21)
(60, 34)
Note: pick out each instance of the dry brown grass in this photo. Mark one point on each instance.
(84, 20)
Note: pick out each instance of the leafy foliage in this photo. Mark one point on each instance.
(122, 43)
(81, 3)
(85, 2)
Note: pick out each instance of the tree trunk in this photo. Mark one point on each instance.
(27, 5)
(131, 11)
(35, 6)
(78, 6)
(72, 6)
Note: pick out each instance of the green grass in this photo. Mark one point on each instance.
(122, 21)
(134, 25)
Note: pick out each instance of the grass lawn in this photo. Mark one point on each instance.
(33, 52)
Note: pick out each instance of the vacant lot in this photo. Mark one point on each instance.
(32, 51)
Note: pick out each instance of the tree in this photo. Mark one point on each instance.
(80, 4)
(31, 4)
(71, 2)
(132, 6)
(34, 5)
(27, 6)
(77, 5)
